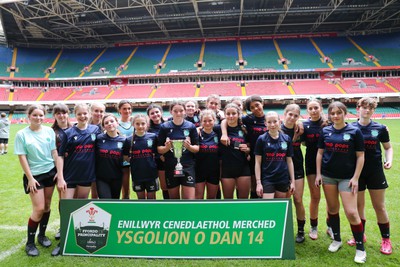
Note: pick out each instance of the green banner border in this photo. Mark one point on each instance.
(68, 206)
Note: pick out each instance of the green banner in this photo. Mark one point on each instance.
(178, 229)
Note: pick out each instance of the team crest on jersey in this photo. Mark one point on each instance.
(75, 137)
(284, 145)
(48, 139)
(149, 143)
(93, 136)
(104, 141)
(374, 133)
(346, 137)
(119, 145)
(215, 139)
(240, 133)
(186, 133)
(195, 119)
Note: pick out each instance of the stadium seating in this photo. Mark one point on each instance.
(145, 58)
(111, 60)
(132, 92)
(364, 85)
(220, 55)
(90, 93)
(182, 57)
(72, 62)
(5, 60)
(32, 62)
(176, 90)
(266, 88)
(57, 94)
(260, 54)
(26, 94)
(339, 49)
(384, 47)
(305, 57)
(220, 88)
(314, 87)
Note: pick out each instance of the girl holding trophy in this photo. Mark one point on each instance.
(178, 140)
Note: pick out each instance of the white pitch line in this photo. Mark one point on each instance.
(12, 250)
(53, 225)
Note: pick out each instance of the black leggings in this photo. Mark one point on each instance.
(110, 189)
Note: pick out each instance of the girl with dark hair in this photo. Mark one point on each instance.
(155, 114)
(179, 129)
(255, 126)
(109, 158)
(312, 128)
(235, 168)
(339, 163)
(125, 129)
(60, 124)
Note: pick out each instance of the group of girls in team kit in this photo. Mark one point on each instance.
(255, 154)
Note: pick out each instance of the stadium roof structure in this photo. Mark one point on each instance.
(103, 23)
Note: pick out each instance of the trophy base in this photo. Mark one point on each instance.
(178, 173)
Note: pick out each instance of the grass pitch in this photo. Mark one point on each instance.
(16, 208)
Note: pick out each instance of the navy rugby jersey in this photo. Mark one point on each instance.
(273, 152)
(208, 155)
(374, 133)
(195, 120)
(297, 154)
(142, 150)
(255, 127)
(109, 157)
(310, 136)
(78, 149)
(178, 132)
(340, 147)
(230, 155)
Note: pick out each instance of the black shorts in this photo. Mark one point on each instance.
(188, 178)
(236, 171)
(252, 163)
(207, 179)
(160, 164)
(74, 185)
(4, 141)
(44, 180)
(272, 188)
(372, 179)
(299, 173)
(149, 186)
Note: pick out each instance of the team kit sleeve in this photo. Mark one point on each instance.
(359, 141)
(19, 145)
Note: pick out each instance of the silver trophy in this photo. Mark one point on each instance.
(177, 149)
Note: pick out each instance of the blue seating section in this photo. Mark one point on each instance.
(32, 62)
(339, 49)
(260, 54)
(182, 57)
(72, 61)
(220, 55)
(386, 47)
(5, 60)
(145, 58)
(305, 57)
